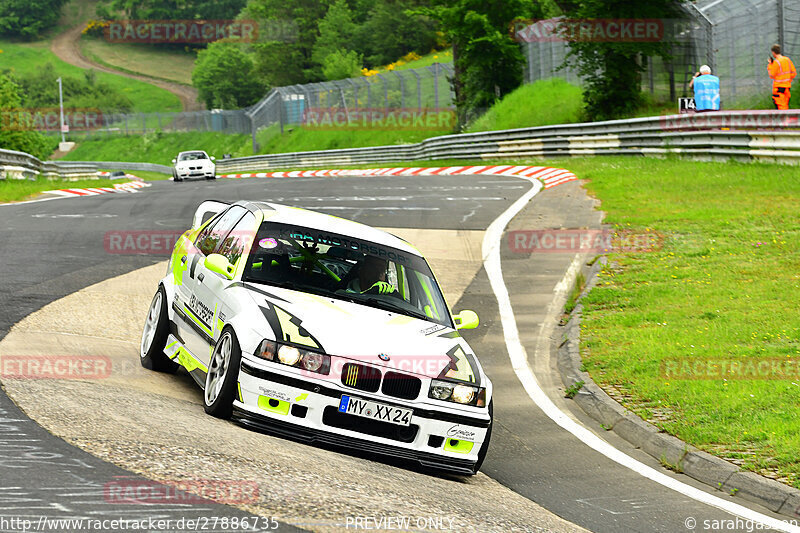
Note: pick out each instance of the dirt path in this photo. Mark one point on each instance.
(67, 47)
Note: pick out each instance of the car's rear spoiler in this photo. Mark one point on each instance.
(209, 206)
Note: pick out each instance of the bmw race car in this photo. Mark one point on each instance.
(193, 164)
(320, 329)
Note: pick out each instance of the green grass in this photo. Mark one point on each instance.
(300, 139)
(443, 56)
(18, 190)
(542, 103)
(724, 287)
(27, 58)
(145, 59)
(158, 147)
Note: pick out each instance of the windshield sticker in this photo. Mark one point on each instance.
(342, 242)
(269, 243)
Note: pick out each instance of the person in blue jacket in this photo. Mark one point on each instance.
(706, 90)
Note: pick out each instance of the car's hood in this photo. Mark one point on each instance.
(363, 333)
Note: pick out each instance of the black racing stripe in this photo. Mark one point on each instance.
(191, 324)
(334, 393)
(251, 287)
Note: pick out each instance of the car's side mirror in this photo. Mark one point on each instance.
(219, 264)
(466, 319)
(174, 161)
(213, 158)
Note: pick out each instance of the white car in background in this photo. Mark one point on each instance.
(193, 164)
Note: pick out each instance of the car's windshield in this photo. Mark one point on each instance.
(337, 266)
(191, 156)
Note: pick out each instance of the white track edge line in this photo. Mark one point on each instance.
(519, 362)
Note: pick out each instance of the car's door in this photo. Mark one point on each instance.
(210, 287)
(198, 318)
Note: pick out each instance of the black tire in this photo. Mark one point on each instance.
(485, 446)
(154, 336)
(219, 393)
(211, 177)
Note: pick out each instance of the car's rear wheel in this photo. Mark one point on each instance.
(222, 376)
(154, 336)
(485, 446)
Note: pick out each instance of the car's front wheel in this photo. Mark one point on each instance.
(154, 336)
(222, 376)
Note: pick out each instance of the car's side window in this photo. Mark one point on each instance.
(214, 234)
(232, 247)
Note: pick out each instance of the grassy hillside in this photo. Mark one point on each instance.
(542, 103)
(171, 65)
(158, 147)
(28, 58)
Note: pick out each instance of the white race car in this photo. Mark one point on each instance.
(193, 164)
(320, 329)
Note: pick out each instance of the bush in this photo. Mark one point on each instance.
(341, 64)
(28, 19)
(31, 142)
(225, 77)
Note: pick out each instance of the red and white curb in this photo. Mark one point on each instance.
(131, 186)
(549, 176)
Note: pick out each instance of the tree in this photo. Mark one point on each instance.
(285, 57)
(336, 32)
(487, 61)
(225, 77)
(342, 64)
(13, 136)
(28, 18)
(174, 9)
(389, 32)
(612, 70)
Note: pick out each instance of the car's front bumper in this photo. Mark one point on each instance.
(307, 410)
(205, 173)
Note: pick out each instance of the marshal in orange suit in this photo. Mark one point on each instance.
(782, 71)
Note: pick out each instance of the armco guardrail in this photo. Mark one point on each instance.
(19, 165)
(772, 136)
(120, 165)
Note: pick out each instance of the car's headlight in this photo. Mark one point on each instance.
(457, 393)
(293, 356)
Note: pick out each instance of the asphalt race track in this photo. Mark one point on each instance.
(53, 249)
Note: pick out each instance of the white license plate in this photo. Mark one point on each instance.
(375, 410)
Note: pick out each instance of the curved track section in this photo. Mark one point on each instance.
(57, 253)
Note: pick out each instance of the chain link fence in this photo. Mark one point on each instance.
(733, 37)
(422, 88)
